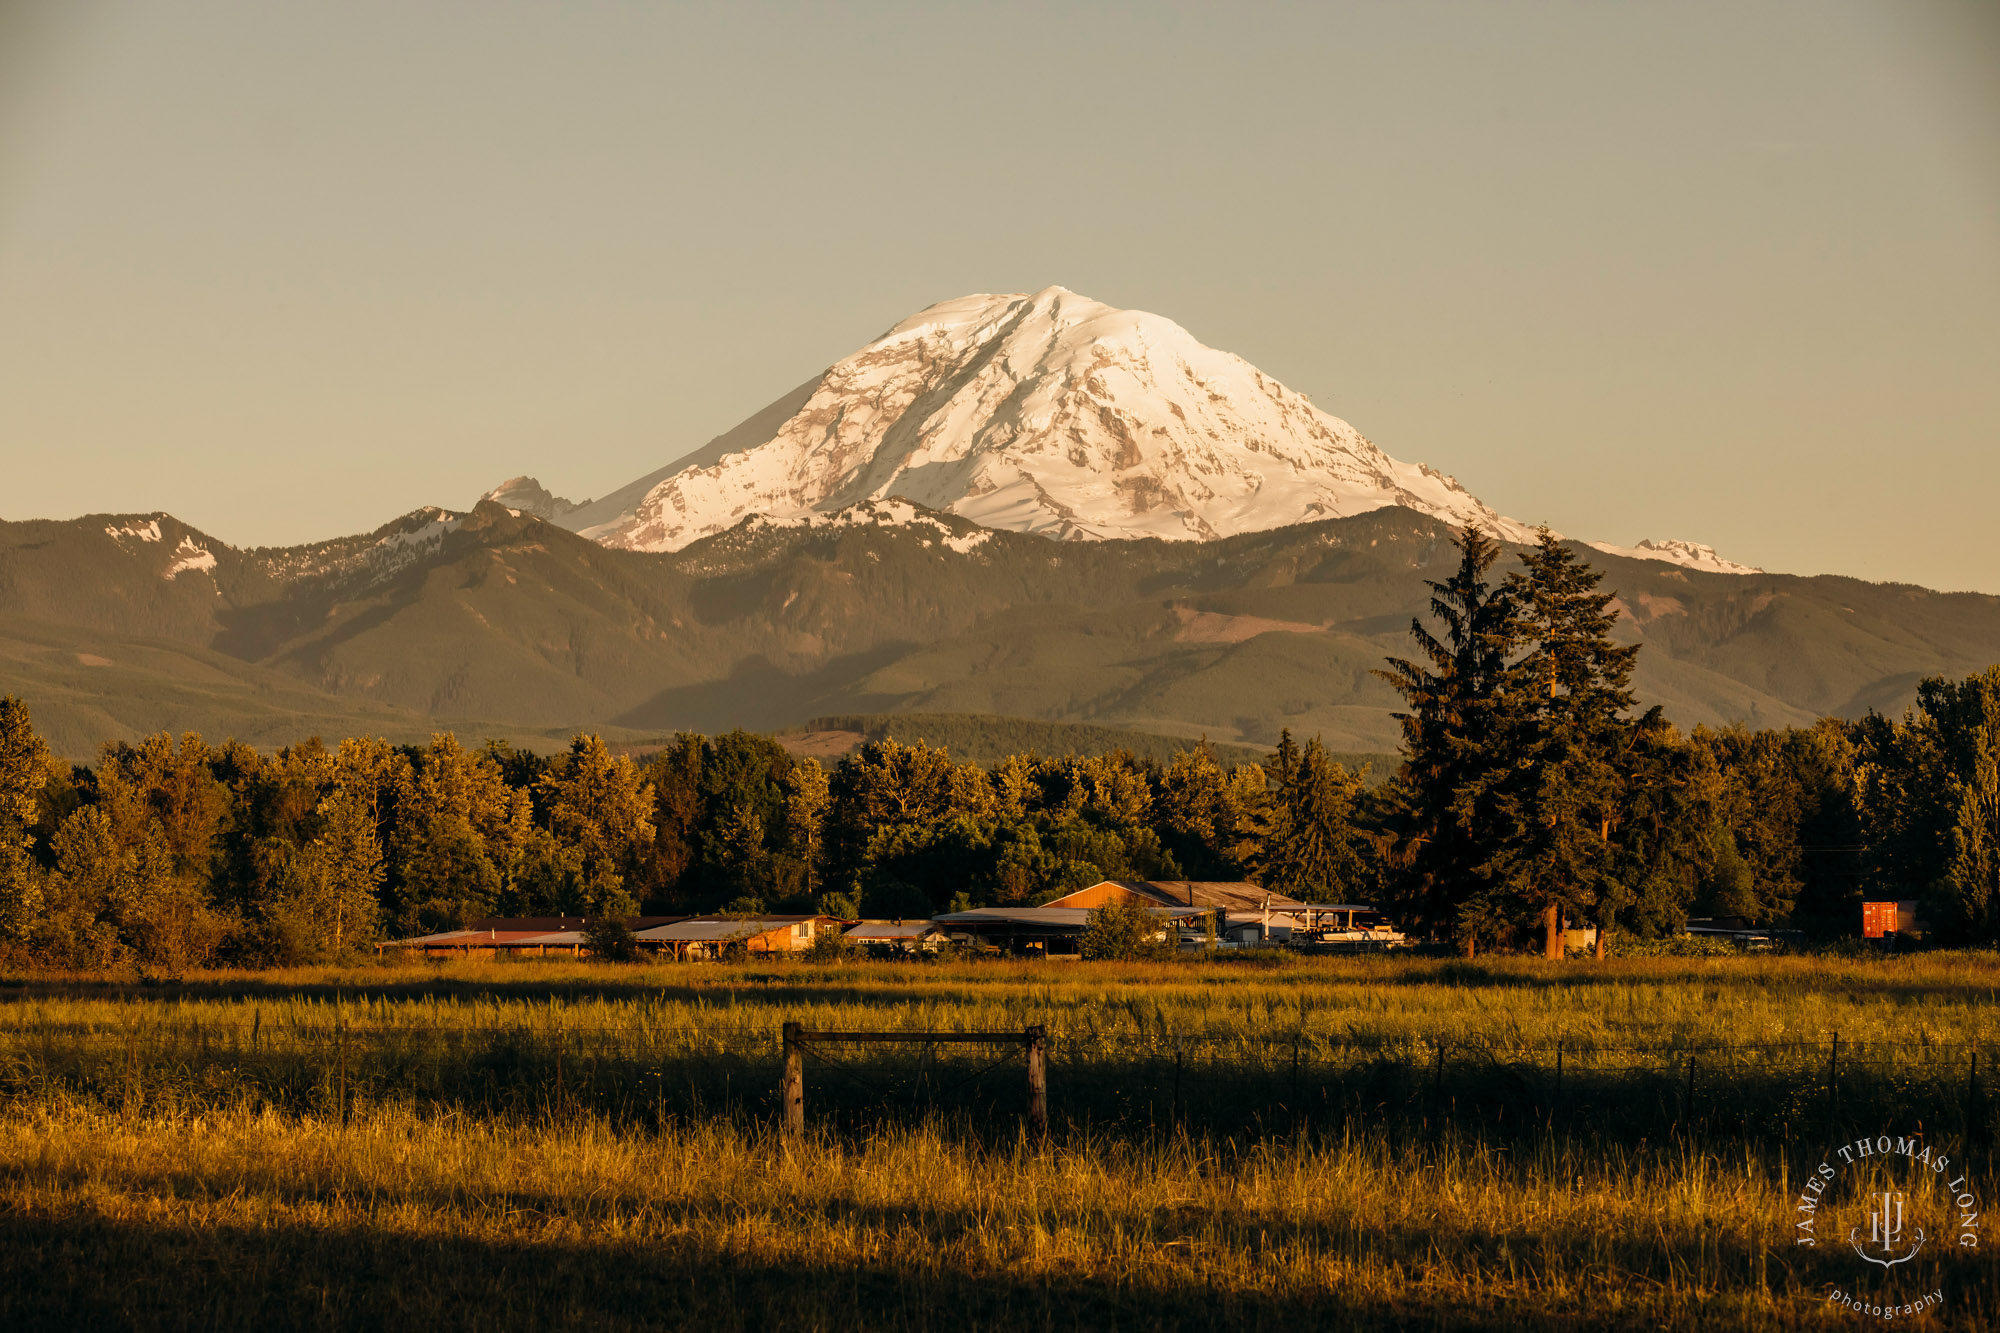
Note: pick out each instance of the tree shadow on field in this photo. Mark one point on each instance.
(1975, 983)
(749, 991)
(86, 1271)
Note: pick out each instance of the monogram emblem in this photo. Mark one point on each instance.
(1885, 1232)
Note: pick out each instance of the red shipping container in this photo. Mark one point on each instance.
(1877, 920)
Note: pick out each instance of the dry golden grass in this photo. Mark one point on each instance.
(190, 1197)
(404, 1221)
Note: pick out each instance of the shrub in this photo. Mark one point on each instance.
(1671, 946)
(611, 939)
(830, 946)
(1124, 930)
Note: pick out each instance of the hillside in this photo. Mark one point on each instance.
(983, 739)
(505, 624)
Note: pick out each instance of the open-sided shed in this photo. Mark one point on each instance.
(895, 936)
(712, 936)
(1055, 932)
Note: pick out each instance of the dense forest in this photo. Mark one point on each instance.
(1532, 792)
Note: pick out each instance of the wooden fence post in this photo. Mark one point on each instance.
(1974, 1126)
(340, 1027)
(1037, 1040)
(1437, 1087)
(795, 1083)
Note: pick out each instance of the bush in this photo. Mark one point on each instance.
(1671, 946)
(1124, 930)
(611, 939)
(842, 905)
(830, 945)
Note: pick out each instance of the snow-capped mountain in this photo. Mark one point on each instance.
(1049, 413)
(1688, 555)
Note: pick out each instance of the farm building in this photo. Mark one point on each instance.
(1054, 932)
(896, 936)
(1244, 913)
(699, 937)
(508, 934)
(1345, 928)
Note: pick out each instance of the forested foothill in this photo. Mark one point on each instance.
(1532, 794)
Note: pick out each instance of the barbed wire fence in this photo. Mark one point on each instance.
(1275, 1080)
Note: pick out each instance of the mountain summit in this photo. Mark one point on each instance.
(525, 495)
(1048, 413)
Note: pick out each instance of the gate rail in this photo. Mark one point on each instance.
(1033, 1039)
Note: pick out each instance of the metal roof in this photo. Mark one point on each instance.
(467, 939)
(442, 937)
(1079, 917)
(491, 931)
(712, 929)
(892, 930)
(563, 937)
(545, 924)
(1027, 916)
(1236, 895)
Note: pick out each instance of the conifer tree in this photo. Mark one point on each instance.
(1557, 782)
(677, 777)
(1663, 850)
(1314, 851)
(1457, 694)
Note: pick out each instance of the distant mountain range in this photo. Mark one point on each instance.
(1232, 562)
(504, 624)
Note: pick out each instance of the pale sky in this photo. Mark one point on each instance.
(1728, 272)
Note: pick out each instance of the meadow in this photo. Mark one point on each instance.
(1262, 1143)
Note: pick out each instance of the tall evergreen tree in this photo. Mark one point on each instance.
(1457, 696)
(1662, 851)
(1558, 784)
(1314, 850)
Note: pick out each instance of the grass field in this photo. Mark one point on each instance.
(1305, 1144)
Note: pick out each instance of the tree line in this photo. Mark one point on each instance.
(1533, 794)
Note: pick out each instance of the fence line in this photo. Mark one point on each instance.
(1092, 1040)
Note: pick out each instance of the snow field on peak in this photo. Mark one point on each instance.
(190, 557)
(1688, 555)
(876, 514)
(1054, 414)
(149, 531)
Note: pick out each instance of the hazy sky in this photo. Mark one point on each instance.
(1721, 271)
